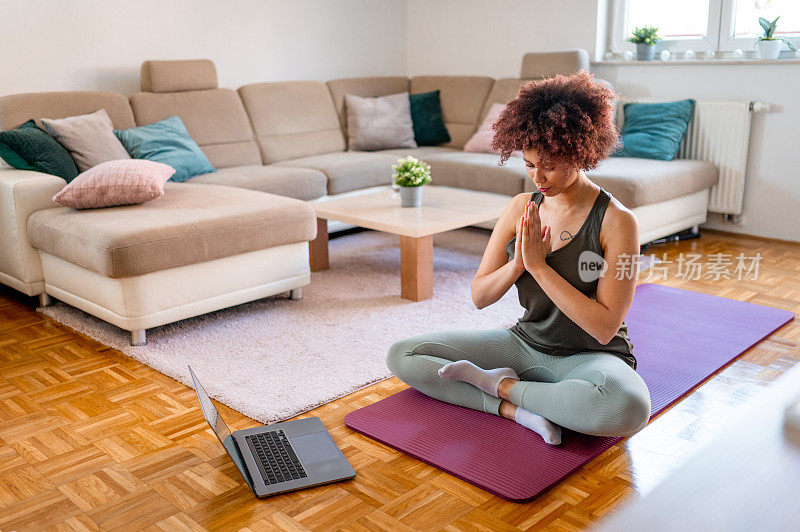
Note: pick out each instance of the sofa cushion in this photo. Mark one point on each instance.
(180, 75)
(503, 91)
(89, 138)
(481, 141)
(13, 159)
(350, 170)
(215, 119)
(654, 130)
(32, 146)
(19, 108)
(120, 182)
(421, 152)
(369, 86)
(462, 100)
(292, 119)
(540, 65)
(426, 114)
(190, 224)
(299, 183)
(636, 182)
(379, 123)
(168, 142)
(478, 171)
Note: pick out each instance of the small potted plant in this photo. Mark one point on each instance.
(768, 45)
(645, 39)
(410, 174)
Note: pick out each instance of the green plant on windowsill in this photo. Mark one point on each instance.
(410, 174)
(768, 45)
(645, 35)
(645, 39)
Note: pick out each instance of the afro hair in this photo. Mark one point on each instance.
(568, 120)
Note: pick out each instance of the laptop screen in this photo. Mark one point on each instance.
(210, 411)
(220, 429)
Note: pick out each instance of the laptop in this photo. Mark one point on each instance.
(280, 457)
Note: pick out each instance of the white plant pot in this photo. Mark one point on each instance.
(769, 49)
(410, 196)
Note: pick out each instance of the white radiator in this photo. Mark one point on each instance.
(719, 132)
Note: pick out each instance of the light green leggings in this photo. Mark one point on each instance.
(593, 393)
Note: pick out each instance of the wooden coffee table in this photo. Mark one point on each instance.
(443, 209)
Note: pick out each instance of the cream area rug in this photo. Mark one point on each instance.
(275, 358)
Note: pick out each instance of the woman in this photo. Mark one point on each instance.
(568, 362)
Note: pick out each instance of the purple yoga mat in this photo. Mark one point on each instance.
(680, 338)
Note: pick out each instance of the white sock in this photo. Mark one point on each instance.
(487, 380)
(550, 432)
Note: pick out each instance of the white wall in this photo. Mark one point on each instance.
(477, 37)
(100, 44)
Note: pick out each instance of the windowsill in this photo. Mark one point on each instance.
(705, 62)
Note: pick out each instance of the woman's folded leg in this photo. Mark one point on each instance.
(597, 393)
(417, 360)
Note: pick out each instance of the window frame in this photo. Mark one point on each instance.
(719, 33)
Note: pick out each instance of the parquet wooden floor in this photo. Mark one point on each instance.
(92, 440)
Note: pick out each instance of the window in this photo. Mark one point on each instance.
(742, 22)
(703, 25)
(679, 19)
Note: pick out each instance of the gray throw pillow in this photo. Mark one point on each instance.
(379, 123)
(89, 139)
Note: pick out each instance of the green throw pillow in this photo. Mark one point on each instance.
(14, 159)
(654, 130)
(167, 142)
(30, 148)
(426, 114)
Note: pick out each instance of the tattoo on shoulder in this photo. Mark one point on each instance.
(565, 235)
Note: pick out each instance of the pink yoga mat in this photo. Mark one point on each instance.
(680, 338)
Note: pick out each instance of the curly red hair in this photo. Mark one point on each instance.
(568, 120)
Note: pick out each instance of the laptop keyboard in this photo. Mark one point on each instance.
(275, 457)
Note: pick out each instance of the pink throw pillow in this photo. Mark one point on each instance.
(117, 182)
(481, 141)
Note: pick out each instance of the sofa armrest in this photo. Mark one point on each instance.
(23, 192)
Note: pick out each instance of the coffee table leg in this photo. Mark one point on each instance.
(416, 267)
(318, 248)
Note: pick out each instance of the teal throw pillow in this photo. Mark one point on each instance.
(654, 130)
(30, 148)
(426, 115)
(167, 142)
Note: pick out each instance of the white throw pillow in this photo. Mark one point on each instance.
(379, 123)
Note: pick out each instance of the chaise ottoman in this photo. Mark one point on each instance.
(197, 249)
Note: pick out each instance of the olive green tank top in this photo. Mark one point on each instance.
(544, 326)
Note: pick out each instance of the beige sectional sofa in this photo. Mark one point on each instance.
(201, 247)
(242, 233)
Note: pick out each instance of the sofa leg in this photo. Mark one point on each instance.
(296, 294)
(139, 337)
(45, 300)
(695, 229)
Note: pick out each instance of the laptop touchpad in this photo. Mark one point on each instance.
(315, 447)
